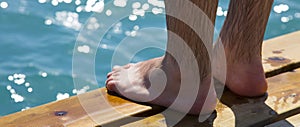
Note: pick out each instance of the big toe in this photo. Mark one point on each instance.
(111, 85)
(111, 81)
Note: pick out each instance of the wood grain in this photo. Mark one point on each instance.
(280, 54)
(86, 110)
(282, 101)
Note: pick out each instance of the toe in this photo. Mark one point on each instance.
(116, 68)
(127, 66)
(112, 73)
(111, 85)
(109, 74)
(109, 79)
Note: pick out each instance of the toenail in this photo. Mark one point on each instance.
(115, 74)
(108, 75)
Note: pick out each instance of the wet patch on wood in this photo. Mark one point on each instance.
(277, 61)
(277, 51)
(60, 113)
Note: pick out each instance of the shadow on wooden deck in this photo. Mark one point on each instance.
(233, 110)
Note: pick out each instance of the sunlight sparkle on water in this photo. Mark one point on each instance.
(93, 24)
(61, 96)
(83, 49)
(10, 78)
(17, 98)
(43, 74)
(136, 5)
(220, 12)
(68, 19)
(12, 91)
(157, 10)
(117, 28)
(79, 9)
(77, 2)
(54, 2)
(297, 15)
(42, 1)
(281, 8)
(48, 22)
(120, 3)
(127, 33)
(157, 3)
(285, 19)
(145, 6)
(133, 33)
(132, 17)
(26, 108)
(4, 5)
(19, 81)
(108, 12)
(98, 7)
(225, 13)
(139, 12)
(8, 87)
(67, 1)
(81, 91)
(104, 46)
(136, 27)
(29, 89)
(27, 84)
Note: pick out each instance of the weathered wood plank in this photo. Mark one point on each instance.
(108, 110)
(293, 121)
(160, 120)
(282, 101)
(280, 54)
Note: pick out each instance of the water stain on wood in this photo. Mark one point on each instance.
(277, 61)
(278, 51)
(60, 113)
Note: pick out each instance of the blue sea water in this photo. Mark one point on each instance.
(38, 39)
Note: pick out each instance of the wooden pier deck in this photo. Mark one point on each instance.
(279, 108)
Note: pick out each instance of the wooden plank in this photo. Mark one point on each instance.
(280, 54)
(293, 121)
(108, 110)
(160, 120)
(282, 101)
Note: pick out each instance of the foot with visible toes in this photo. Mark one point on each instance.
(157, 82)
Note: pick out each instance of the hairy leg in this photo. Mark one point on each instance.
(242, 36)
(135, 81)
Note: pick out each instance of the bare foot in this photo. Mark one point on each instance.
(244, 76)
(246, 79)
(156, 81)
